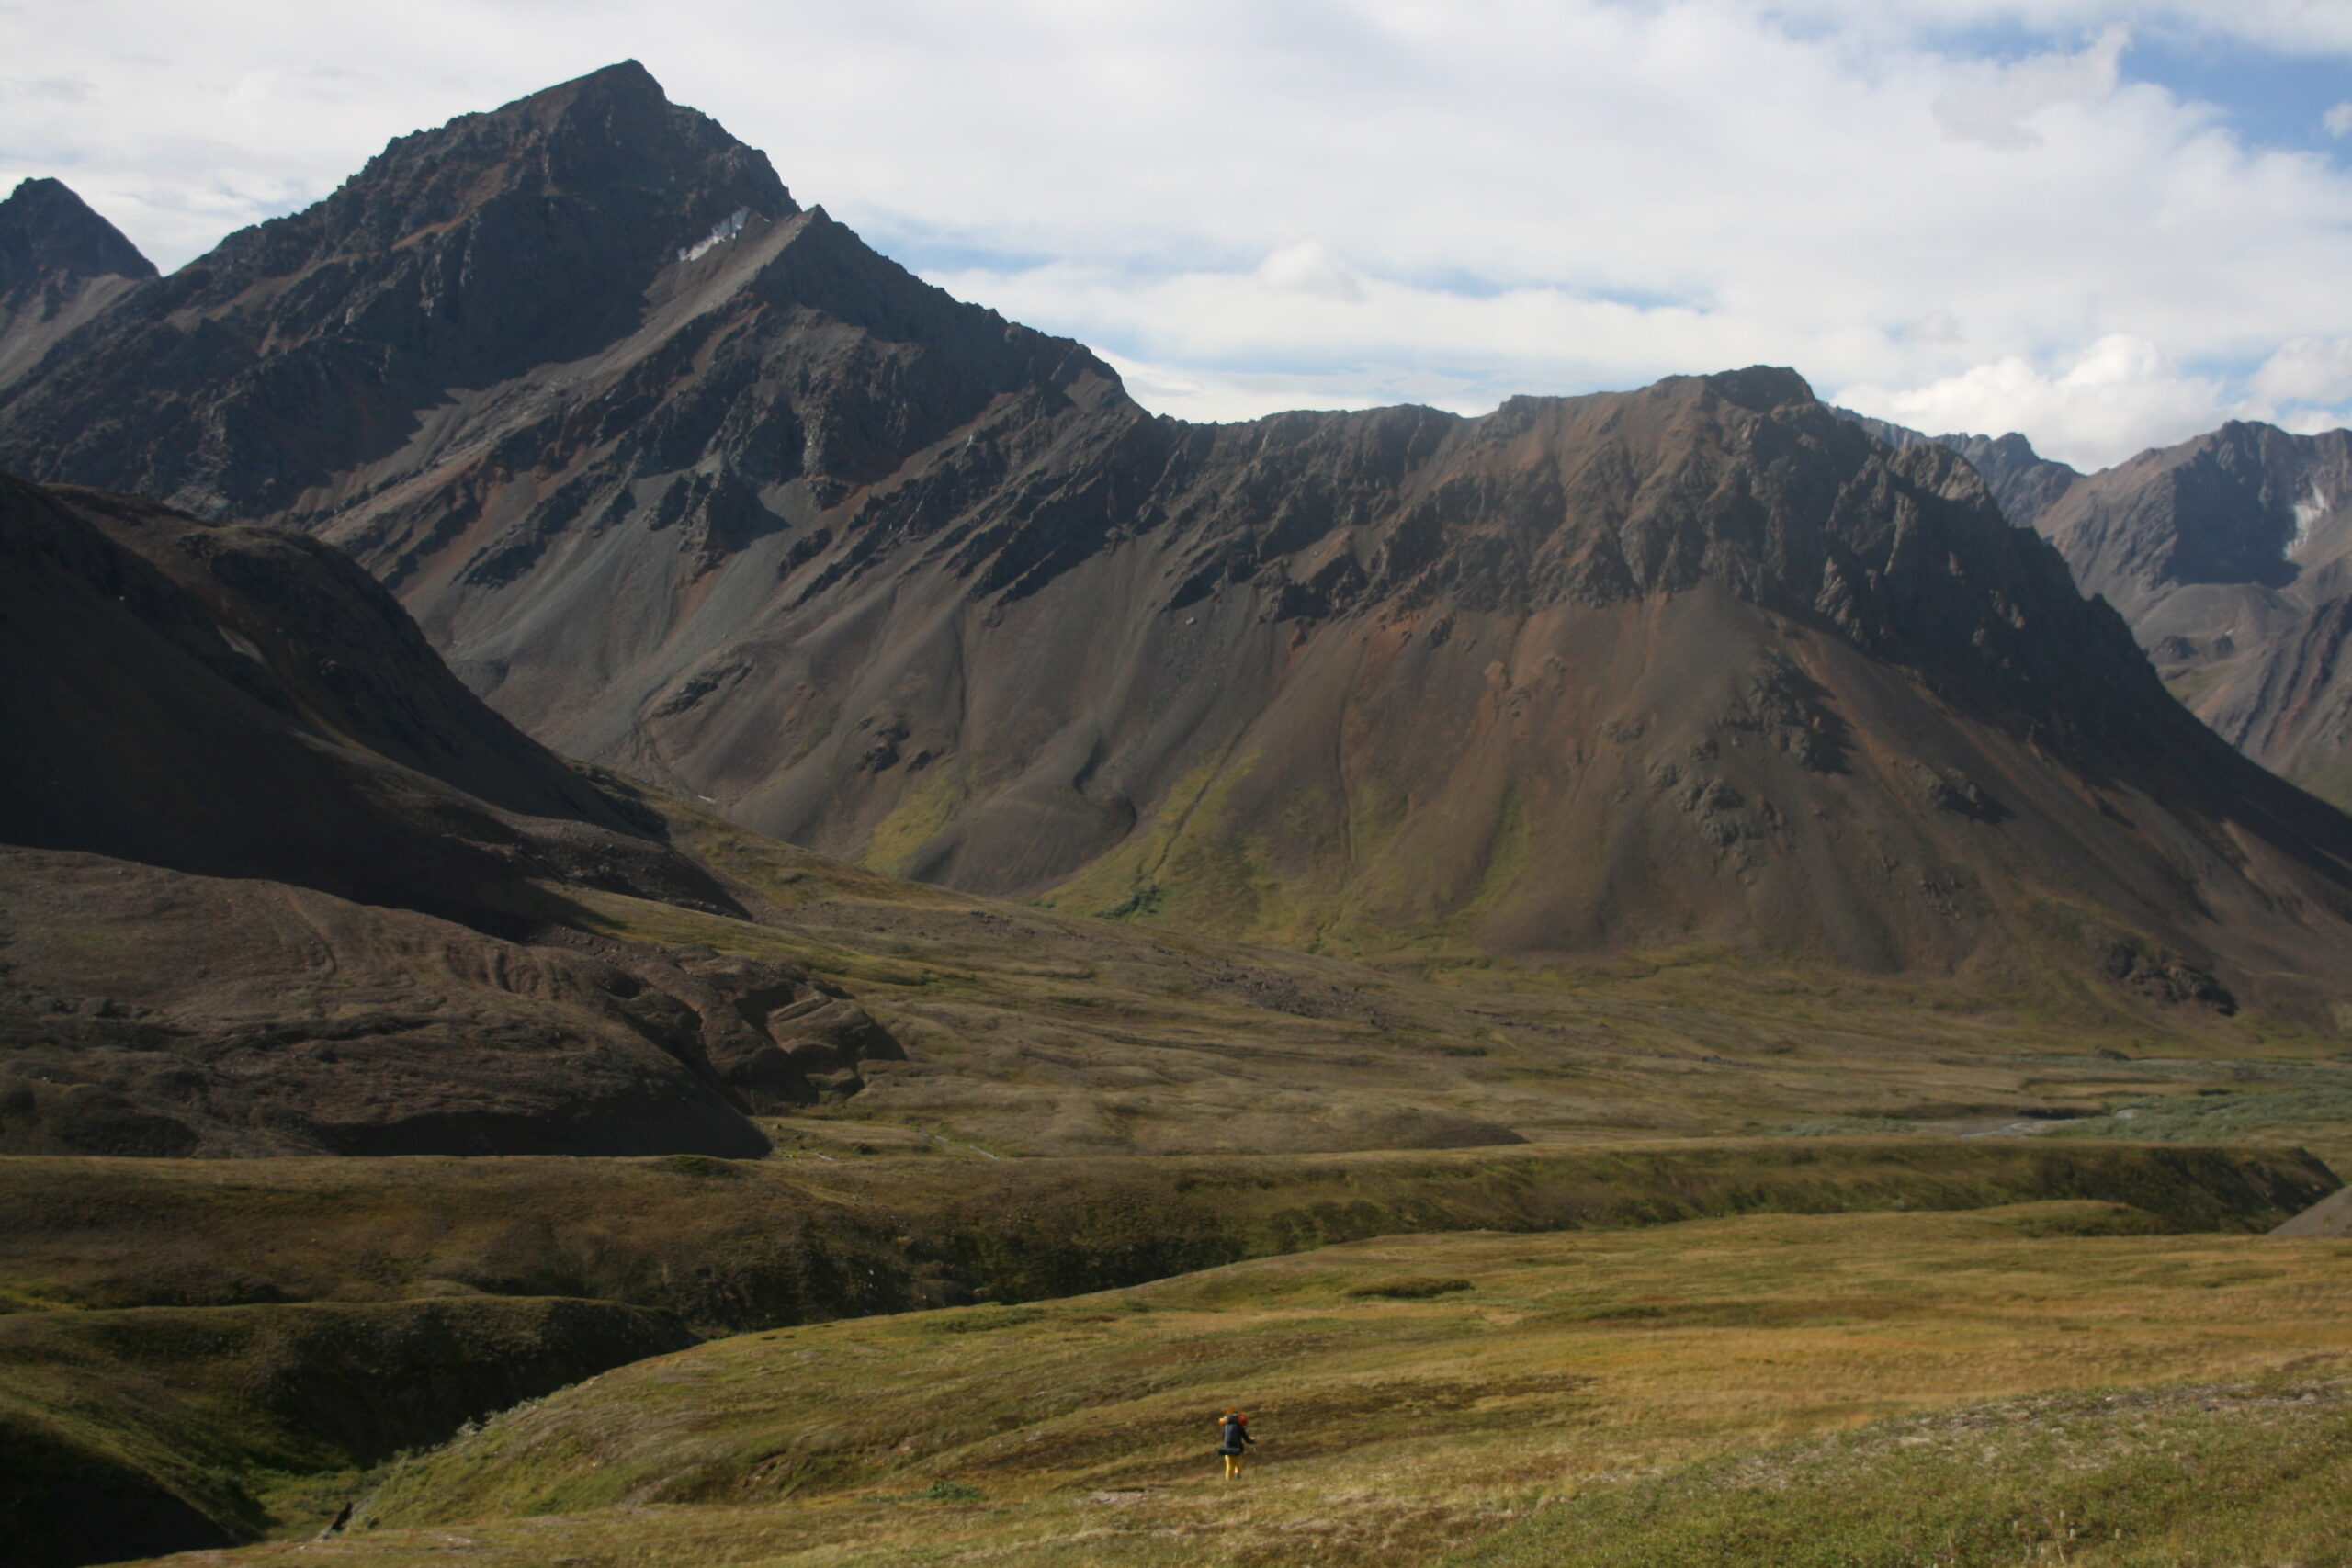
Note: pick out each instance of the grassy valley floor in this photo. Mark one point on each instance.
(1040, 1033)
(1515, 1398)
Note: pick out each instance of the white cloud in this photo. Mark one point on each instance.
(1356, 200)
(1310, 268)
(2338, 120)
(2306, 370)
(1993, 103)
(1216, 396)
(2119, 396)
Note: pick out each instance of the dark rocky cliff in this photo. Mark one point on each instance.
(60, 264)
(2231, 556)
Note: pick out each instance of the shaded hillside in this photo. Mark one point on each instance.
(60, 264)
(760, 516)
(241, 702)
(2231, 556)
(188, 703)
(133, 1433)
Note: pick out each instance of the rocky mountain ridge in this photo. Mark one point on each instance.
(2231, 555)
(763, 517)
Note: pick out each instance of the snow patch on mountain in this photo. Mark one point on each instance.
(729, 227)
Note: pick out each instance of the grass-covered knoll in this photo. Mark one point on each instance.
(1393, 1427)
(731, 1245)
(1038, 1031)
(2254, 1472)
(129, 1432)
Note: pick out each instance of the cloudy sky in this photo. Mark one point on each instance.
(2108, 225)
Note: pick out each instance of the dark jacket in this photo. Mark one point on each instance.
(1236, 1435)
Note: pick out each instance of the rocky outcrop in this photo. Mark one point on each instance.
(60, 266)
(764, 518)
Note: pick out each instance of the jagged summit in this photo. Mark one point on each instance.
(603, 172)
(458, 258)
(2024, 481)
(60, 264)
(48, 234)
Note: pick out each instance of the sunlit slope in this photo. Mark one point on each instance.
(1411, 1394)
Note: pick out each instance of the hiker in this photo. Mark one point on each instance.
(1233, 1440)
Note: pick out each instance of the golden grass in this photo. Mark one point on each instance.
(1393, 1427)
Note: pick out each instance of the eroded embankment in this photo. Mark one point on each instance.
(733, 1245)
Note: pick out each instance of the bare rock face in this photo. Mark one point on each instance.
(263, 842)
(2228, 509)
(2026, 483)
(760, 515)
(458, 258)
(60, 264)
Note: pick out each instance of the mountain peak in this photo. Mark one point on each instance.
(611, 139)
(690, 480)
(49, 235)
(1760, 388)
(623, 78)
(458, 257)
(62, 266)
(624, 95)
